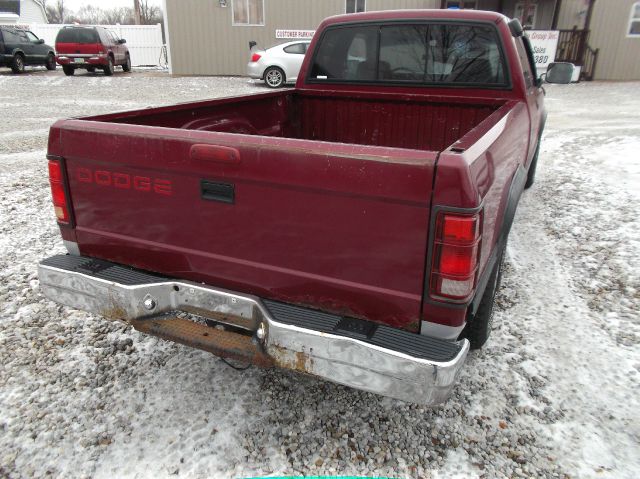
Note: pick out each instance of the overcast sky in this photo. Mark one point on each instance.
(76, 4)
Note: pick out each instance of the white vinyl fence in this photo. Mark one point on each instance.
(144, 41)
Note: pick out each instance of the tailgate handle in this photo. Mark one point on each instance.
(215, 153)
(213, 191)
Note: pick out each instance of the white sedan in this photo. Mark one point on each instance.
(278, 65)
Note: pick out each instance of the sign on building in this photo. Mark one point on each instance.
(544, 44)
(294, 33)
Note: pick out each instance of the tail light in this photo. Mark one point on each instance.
(455, 255)
(58, 192)
(255, 57)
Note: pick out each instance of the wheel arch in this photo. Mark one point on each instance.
(274, 65)
(513, 198)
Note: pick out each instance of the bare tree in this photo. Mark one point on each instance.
(91, 15)
(136, 11)
(56, 12)
(122, 15)
(149, 14)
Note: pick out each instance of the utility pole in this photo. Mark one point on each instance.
(136, 11)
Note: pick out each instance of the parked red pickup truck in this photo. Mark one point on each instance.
(352, 228)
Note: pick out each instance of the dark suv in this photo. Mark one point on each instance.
(91, 48)
(19, 47)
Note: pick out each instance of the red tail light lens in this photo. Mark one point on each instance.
(58, 194)
(255, 57)
(458, 260)
(455, 255)
(459, 229)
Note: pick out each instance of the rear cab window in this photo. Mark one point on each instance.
(443, 54)
(77, 35)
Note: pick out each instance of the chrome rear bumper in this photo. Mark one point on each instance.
(355, 353)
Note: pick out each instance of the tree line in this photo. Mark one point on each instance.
(141, 13)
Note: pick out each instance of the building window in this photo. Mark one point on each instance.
(248, 12)
(10, 6)
(634, 21)
(468, 4)
(355, 6)
(527, 18)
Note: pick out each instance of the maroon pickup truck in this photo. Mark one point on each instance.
(352, 228)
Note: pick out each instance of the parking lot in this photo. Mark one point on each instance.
(553, 394)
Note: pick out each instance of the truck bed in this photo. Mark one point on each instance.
(309, 199)
(374, 120)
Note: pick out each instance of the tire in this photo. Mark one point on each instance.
(127, 64)
(274, 77)
(51, 62)
(478, 328)
(91, 69)
(531, 175)
(108, 68)
(17, 64)
(69, 71)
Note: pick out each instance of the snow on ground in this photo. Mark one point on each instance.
(553, 394)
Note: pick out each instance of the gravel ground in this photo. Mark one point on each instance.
(553, 394)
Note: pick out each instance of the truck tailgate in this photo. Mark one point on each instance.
(336, 227)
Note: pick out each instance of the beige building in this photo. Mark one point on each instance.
(22, 12)
(211, 37)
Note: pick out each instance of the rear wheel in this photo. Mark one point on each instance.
(274, 77)
(69, 71)
(17, 64)
(51, 62)
(478, 328)
(108, 69)
(127, 64)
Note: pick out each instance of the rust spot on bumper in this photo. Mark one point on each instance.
(297, 361)
(114, 312)
(224, 344)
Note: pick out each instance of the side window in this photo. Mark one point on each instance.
(354, 6)
(248, 12)
(10, 36)
(31, 37)
(524, 62)
(297, 48)
(22, 37)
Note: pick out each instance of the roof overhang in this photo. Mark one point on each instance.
(9, 17)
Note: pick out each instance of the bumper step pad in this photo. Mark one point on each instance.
(377, 334)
